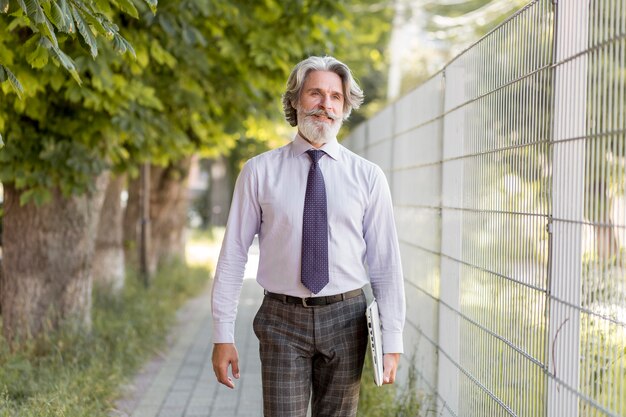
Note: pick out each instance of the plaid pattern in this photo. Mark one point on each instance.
(319, 348)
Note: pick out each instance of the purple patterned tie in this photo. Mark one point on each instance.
(315, 229)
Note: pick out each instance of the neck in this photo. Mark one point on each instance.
(316, 145)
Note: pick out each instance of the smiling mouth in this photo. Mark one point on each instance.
(323, 118)
(322, 115)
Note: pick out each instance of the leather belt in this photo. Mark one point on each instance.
(315, 301)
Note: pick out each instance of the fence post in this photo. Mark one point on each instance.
(451, 236)
(569, 110)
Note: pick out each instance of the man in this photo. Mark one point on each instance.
(325, 224)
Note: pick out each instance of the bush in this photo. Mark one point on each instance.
(74, 374)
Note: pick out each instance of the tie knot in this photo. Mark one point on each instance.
(315, 155)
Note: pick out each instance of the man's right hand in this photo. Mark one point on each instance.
(225, 355)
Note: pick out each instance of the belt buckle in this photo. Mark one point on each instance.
(304, 302)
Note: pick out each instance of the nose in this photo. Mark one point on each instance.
(326, 102)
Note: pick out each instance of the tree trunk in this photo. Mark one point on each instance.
(168, 214)
(169, 203)
(222, 182)
(131, 224)
(607, 246)
(1, 202)
(1, 281)
(47, 257)
(108, 261)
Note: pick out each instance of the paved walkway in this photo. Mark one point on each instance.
(181, 382)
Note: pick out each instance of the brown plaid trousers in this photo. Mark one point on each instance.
(311, 352)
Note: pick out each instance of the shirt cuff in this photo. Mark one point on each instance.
(392, 342)
(223, 332)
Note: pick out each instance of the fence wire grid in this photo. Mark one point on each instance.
(507, 170)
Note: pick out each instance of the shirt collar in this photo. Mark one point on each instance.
(300, 146)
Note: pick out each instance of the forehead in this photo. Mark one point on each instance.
(323, 80)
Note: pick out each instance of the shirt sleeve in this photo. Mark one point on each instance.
(384, 264)
(243, 223)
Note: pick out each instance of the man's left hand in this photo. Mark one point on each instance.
(390, 366)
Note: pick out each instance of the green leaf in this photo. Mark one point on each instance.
(122, 46)
(85, 31)
(3, 74)
(96, 22)
(48, 31)
(118, 44)
(167, 24)
(65, 9)
(4, 6)
(110, 28)
(58, 18)
(200, 37)
(17, 87)
(103, 6)
(34, 11)
(189, 36)
(63, 59)
(160, 55)
(23, 6)
(127, 6)
(152, 4)
(129, 48)
(57, 80)
(38, 58)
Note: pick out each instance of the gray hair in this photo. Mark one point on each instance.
(353, 95)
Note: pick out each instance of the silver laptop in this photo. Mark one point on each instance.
(375, 341)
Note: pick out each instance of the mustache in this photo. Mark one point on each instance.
(320, 112)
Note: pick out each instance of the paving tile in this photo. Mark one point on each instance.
(171, 412)
(146, 411)
(198, 410)
(182, 383)
(177, 400)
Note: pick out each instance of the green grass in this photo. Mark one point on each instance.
(75, 374)
(389, 400)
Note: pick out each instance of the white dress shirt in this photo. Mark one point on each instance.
(268, 200)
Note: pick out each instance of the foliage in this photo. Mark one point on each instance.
(60, 133)
(202, 69)
(76, 374)
(359, 38)
(44, 27)
(390, 400)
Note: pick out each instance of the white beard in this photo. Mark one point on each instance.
(316, 131)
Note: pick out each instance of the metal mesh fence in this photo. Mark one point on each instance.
(508, 173)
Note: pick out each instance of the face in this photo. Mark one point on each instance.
(320, 107)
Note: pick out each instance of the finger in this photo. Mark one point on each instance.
(392, 375)
(227, 382)
(235, 365)
(221, 372)
(386, 376)
(389, 370)
(385, 372)
(223, 379)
